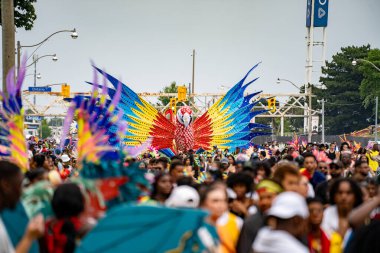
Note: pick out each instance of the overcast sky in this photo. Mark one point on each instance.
(148, 43)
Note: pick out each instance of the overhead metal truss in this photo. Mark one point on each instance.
(199, 103)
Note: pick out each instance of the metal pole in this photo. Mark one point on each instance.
(282, 125)
(192, 79)
(324, 47)
(323, 120)
(18, 55)
(376, 112)
(8, 38)
(35, 77)
(310, 69)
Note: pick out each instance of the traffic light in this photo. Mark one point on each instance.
(182, 90)
(272, 104)
(65, 90)
(173, 104)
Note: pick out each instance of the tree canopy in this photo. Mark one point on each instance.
(45, 129)
(370, 84)
(25, 14)
(344, 108)
(172, 88)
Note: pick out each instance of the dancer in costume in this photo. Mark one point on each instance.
(226, 124)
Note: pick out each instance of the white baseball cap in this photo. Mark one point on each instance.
(288, 205)
(183, 196)
(65, 158)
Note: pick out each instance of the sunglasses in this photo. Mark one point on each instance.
(323, 167)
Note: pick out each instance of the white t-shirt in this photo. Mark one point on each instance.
(277, 241)
(5, 243)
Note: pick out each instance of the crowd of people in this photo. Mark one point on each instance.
(317, 198)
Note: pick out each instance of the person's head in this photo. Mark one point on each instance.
(262, 170)
(315, 206)
(299, 160)
(162, 163)
(68, 201)
(183, 196)
(176, 170)
(209, 158)
(345, 194)
(336, 169)
(363, 158)
(262, 154)
(291, 150)
(290, 212)
(36, 175)
(287, 175)
(187, 161)
(224, 163)
(322, 147)
(151, 163)
(10, 185)
(346, 158)
(214, 199)
(231, 159)
(162, 186)
(344, 146)
(332, 146)
(361, 169)
(241, 183)
(375, 147)
(267, 190)
(40, 161)
(372, 187)
(304, 186)
(310, 162)
(323, 167)
(309, 147)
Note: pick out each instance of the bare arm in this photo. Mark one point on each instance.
(359, 214)
(34, 230)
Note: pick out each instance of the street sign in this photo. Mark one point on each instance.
(39, 89)
(33, 118)
(321, 8)
(30, 126)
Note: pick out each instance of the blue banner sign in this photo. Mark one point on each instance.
(31, 118)
(39, 89)
(29, 126)
(321, 9)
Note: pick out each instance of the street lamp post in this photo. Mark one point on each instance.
(354, 63)
(35, 60)
(306, 110)
(73, 32)
(323, 119)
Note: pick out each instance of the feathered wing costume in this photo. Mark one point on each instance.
(226, 124)
(13, 145)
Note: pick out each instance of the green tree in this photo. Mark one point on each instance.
(56, 122)
(25, 14)
(370, 85)
(172, 88)
(344, 108)
(45, 129)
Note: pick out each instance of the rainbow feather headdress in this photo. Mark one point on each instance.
(13, 146)
(100, 125)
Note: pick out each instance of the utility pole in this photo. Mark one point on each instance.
(35, 59)
(323, 120)
(376, 112)
(309, 68)
(8, 38)
(192, 78)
